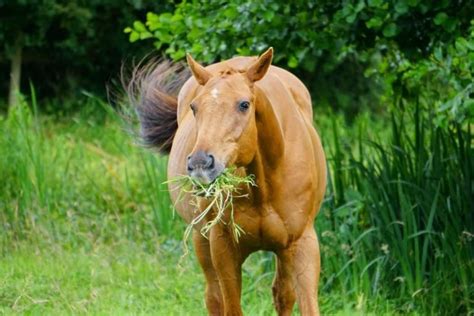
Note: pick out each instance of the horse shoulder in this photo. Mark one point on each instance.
(302, 178)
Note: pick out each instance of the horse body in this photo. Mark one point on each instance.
(277, 143)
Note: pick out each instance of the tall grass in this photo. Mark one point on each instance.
(78, 179)
(399, 216)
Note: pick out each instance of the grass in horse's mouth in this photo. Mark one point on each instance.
(220, 195)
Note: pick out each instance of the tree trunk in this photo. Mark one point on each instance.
(15, 75)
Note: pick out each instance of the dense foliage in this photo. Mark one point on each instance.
(400, 212)
(350, 53)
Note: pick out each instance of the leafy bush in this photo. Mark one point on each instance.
(351, 54)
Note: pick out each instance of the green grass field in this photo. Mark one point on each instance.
(113, 279)
(87, 226)
(122, 278)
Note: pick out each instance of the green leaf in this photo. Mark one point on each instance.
(390, 30)
(139, 26)
(152, 17)
(165, 18)
(351, 18)
(374, 23)
(194, 34)
(440, 18)
(244, 51)
(231, 12)
(134, 36)
(179, 54)
(292, 62)
(461, 45)
(268, 15)
(127, 30)
(163, 36)
(438, 53)
(401, 7)
(470, 45)
(145, 35)
(197, 48)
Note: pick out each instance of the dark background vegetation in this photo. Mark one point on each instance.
(69, 46)
(393, 93)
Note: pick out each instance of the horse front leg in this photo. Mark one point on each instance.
(283, 287)
(302, 260)
(213, 291)
(227, 261)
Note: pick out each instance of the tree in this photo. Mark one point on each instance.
(22, 26)
(62, 43)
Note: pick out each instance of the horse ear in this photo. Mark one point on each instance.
(259, 68)
(199, 72)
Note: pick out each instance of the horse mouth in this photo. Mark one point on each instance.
(201, 181)
(206, 176)
(202, 177)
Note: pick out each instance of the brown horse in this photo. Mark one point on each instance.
(243, 112)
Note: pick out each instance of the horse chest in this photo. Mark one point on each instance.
(264, 228)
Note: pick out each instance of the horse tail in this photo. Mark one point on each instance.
(152, 92)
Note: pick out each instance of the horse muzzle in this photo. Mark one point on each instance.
(204, 167)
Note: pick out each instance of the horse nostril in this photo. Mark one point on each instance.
(210, 163)
(200, 160)
(190, 168)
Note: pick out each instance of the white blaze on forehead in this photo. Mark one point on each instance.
(214, 93)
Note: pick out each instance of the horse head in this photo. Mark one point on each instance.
(224, 111)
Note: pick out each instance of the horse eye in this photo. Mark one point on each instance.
(193, 108)
(244, 106)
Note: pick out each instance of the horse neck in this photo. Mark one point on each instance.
(270, 148)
